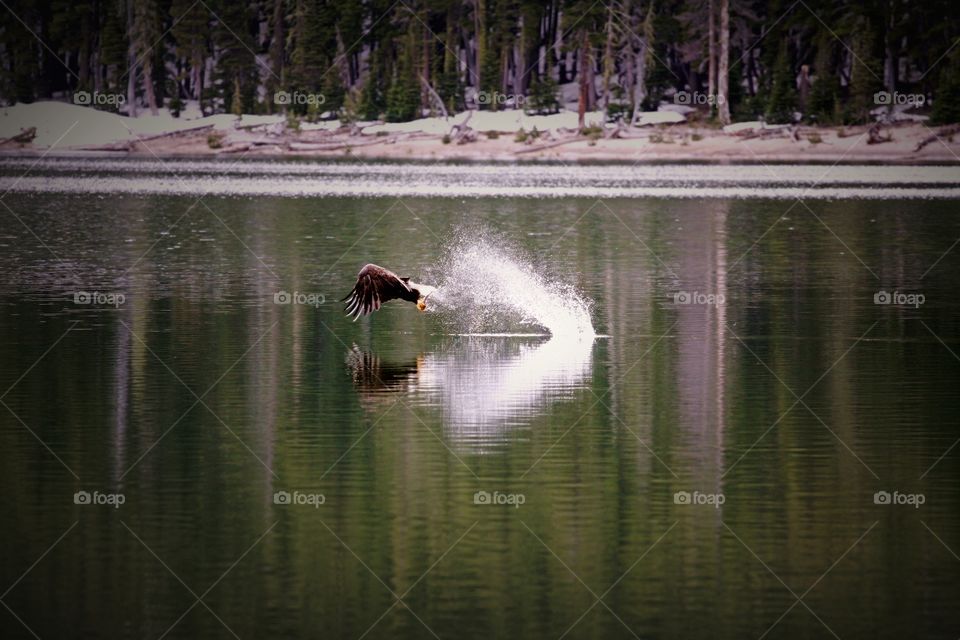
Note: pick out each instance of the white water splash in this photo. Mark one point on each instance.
(488, 287)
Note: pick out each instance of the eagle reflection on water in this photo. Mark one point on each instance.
(484, 387)
(372, 376)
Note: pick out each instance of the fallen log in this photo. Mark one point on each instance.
(335, 146)
(544, 147)
(752, 134)
(251, 140)
(25, 136)
(945, 132)
(617, 131)
(125, 145)
(467, 135)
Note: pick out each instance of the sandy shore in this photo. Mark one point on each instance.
(674, 143)
(678, 143)
(61, 129)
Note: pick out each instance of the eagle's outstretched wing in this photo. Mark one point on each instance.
(375, 285)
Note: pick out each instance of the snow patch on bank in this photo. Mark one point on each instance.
(69, 126)
(72, 126)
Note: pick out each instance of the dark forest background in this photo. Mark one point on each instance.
(401, 59)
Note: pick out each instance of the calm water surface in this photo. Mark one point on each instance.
(198, 398)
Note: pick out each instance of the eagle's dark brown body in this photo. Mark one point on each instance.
(376, 285)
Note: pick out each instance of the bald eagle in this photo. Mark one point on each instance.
(376, 285)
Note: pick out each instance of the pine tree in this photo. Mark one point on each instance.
(864, 77)
(782, 104)
(946, 104)
(583, 22)
(191, 24)
(113, 45)
(403, 97)
(146, 30)
(234, 47)
(659, 77)
(446, 72)
(71, 26)
(277, 52)
(542, 96)
(373, 95)
(24, 55)
(332, 91)
(823, 95)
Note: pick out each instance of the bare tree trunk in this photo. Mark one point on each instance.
(889, 60)
(640, 88)
(630, 72)
(83, 56)
(148, 86)
(584, 80)
(427, 70)
(433, 95)
(645, 42)
(608, 58)
(277, 43)
(723, 71)
(141, 41)
(505, 67)
(711, 56)
(480, 27)
(804, 87)
(131, 66)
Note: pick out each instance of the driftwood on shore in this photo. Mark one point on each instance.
(26, 136)
(336, 146)
(461, 133)
(617, 131)
(544, 147)
(375, 138)
(945, 132)
(765, 133)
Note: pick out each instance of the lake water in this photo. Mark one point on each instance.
(716, 462)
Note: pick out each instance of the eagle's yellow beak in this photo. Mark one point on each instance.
(421, 304)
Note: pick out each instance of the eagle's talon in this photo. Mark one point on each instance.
(421, 304)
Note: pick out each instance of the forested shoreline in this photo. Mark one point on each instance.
(829, 62)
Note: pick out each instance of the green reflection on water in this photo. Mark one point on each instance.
(199, 398)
